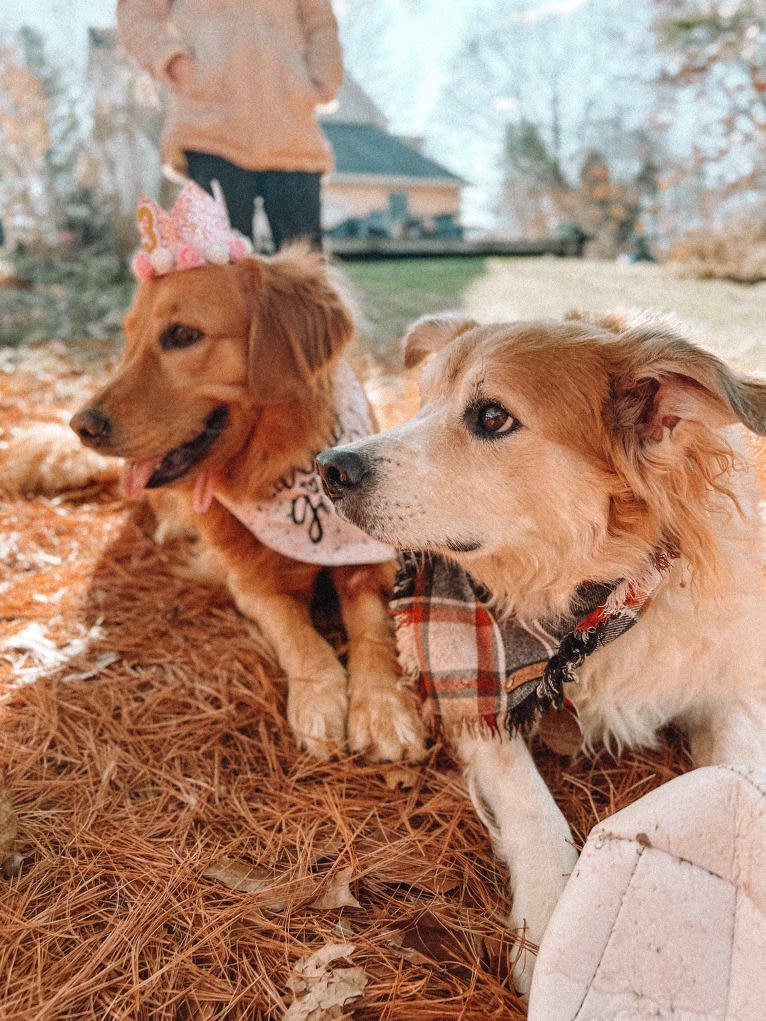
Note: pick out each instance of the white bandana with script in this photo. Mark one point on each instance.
(299, 521)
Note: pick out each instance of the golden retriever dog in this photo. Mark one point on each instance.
(229, 384)
(552, 455)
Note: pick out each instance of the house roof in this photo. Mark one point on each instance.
(367, 150)
(352, 105)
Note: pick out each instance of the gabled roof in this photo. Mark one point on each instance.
(352, 105)
(367, 150)
(358, 133)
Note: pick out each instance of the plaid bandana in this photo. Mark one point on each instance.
(476, 671)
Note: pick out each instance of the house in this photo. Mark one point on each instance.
(382, 184)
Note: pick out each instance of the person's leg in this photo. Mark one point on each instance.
(239, 186)
(291, 201)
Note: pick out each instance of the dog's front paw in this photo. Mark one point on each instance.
(533, 904)
(529, 933)
(317, 709)
(526, 956)
(384, 725)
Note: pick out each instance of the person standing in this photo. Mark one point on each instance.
(244, 78)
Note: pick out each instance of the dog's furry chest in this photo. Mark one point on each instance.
(692, 651)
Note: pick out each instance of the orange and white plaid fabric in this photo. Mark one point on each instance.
(473, 670)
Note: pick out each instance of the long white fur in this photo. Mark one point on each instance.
(698, 656)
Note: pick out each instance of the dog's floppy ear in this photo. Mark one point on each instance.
(298, 322)
(666, 381)
(430, 334)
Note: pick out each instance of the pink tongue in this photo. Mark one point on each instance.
(204, 486)
(136, 474)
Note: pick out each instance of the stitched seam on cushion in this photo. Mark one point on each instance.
(611, 934)
(670, 854)
(746, 774)
(740, 896)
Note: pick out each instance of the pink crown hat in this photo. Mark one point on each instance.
(195, 232)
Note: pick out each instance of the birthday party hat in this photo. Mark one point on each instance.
(194, 232)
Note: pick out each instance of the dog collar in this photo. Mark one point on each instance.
(298, 520)
(473, 670)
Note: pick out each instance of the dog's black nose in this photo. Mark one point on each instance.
(341, 470)
(92, 426)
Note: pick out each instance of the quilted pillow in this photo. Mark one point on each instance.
(664, 916)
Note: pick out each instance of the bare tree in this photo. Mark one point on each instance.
(713, 84)
(25, 194)
(570, 72)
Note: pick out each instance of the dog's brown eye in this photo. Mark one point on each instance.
(492, 419)
(178, 335)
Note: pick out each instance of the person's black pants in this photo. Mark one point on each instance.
(290, 198)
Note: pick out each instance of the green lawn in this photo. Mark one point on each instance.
(81, 300)
(726, 317)
(390, 294)
(77, 298)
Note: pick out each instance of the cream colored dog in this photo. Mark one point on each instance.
(551, 454)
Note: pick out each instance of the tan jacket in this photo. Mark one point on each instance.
(253, 101)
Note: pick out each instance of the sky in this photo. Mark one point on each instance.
(421, 37)
(63, 22)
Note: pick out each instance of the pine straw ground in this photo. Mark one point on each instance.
(176, 857)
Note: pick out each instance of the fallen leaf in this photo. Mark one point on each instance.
(403, 778)
(337, 893)
(319, 991)
(344, 928)
(316, 964)
(245, 878)
(10, 860)
(427, 937)
(240, 876)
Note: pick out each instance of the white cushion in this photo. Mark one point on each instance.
(664, 916)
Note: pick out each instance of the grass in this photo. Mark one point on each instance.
(394, 292)
(724, 316)
(80, 300)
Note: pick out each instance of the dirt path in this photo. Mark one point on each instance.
(728, 318)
